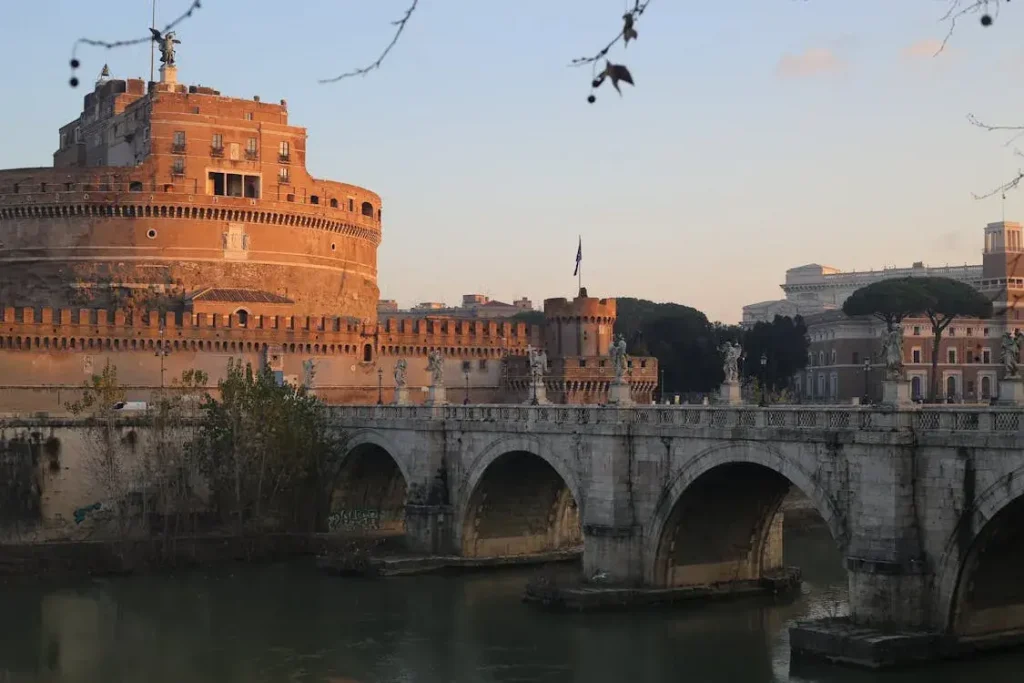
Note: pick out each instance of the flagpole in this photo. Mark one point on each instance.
(152, 44)
(579, 269)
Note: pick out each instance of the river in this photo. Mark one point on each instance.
(289, 623)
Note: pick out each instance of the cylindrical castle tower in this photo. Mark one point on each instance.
(581, 327)
(168, 195)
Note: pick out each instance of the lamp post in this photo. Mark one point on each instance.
(380, 386)
(465, 401)
(867, 371)
(161, 351)
(764, 388)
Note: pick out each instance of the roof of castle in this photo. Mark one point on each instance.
(240, 296)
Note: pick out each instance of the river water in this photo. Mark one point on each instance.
(289, 623)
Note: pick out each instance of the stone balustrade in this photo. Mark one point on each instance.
(861, 418)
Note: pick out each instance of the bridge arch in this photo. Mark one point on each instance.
(741, 486)
(370, 487)
(977, 584)
(517, 499)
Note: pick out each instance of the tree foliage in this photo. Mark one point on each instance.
(783, 343)
(888, 300)
(267, 452)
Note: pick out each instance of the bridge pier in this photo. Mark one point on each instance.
(428, 529)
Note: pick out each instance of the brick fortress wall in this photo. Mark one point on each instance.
(47, 354)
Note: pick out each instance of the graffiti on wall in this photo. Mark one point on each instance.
(354, 520)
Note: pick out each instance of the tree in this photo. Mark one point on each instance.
(888, 300)
(268, 452)
(947, 300)
(783, 342)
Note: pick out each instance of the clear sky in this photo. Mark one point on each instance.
(762, 134)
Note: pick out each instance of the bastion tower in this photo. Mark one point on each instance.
(174, 197)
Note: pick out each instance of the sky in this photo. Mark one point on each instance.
(761, 134)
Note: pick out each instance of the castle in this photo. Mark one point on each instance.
(178, 228)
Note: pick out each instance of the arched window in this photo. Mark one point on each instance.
(915, 387)
(986, 387)
(135, 186)
(368, 209)
(243, 317)
(334, 203)
(313, 199)
(951, 386)
(367, 353)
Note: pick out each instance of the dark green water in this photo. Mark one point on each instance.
(288, 623)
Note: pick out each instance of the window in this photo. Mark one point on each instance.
(482, 364)
(984, 331)
(313, 199)
(250, 148)
(282, 175)
(583, 362)
(135, 186)
(217, 142)
(986, 355)
(179, 141)
(243, 317)
(367, 353)
(248, 116)
(986, 387)
(467, 366)
(856, 358)
(351, 205)
(915, 387)
(367, 209)
(970, 331)
(284, 151)
(178, 167)
(915, 356)
(952, 332)
(832, 357)
(334, 203)
(951, 355)
(917, 330)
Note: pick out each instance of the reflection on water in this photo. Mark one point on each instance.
(288, 623)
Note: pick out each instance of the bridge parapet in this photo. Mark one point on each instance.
(971, 419)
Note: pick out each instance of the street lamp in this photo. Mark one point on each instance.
(764, 389)
(867, 370)
(465, 401)
(162, 350)
(380, 386)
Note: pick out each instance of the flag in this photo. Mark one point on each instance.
(579, 257)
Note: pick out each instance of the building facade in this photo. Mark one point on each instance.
(844, 361)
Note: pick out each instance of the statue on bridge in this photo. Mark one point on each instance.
(1011, 353)
(731, 353)
(400, 367)
(435, 364)
(892, 353)
(538, 363)
(617, 351)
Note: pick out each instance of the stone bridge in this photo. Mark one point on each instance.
(925, 504)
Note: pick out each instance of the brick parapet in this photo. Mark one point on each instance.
(81, 329)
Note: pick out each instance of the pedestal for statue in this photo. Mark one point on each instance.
(401, 396)
(537, 394)
(168, 74)
(436, 396)
(730, 394)
(618, 394)
(1011, 391)
(896, 392)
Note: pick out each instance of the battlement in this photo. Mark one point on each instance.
(82, 329)
(589, 309)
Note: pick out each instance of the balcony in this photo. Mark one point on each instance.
(252, 154)
(217, 151)
(177, 147)
(284, 158)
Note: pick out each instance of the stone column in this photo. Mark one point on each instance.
(1011, 391)
(437, 396)
(402, 396)
(896, 392)
(618, 393)
(613, 542)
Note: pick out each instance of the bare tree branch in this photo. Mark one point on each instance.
(362, 71)
(633, 15)
(959, 8)
(193, 6)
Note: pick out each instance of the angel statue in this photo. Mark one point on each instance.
(892, 353)
(617, 351)
(538, 363)
(400, 367)
(435, 364)
(1011, 354)
(731, 353)
(166, 45)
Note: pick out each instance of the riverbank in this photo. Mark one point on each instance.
(143, 556)
(374, 566)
